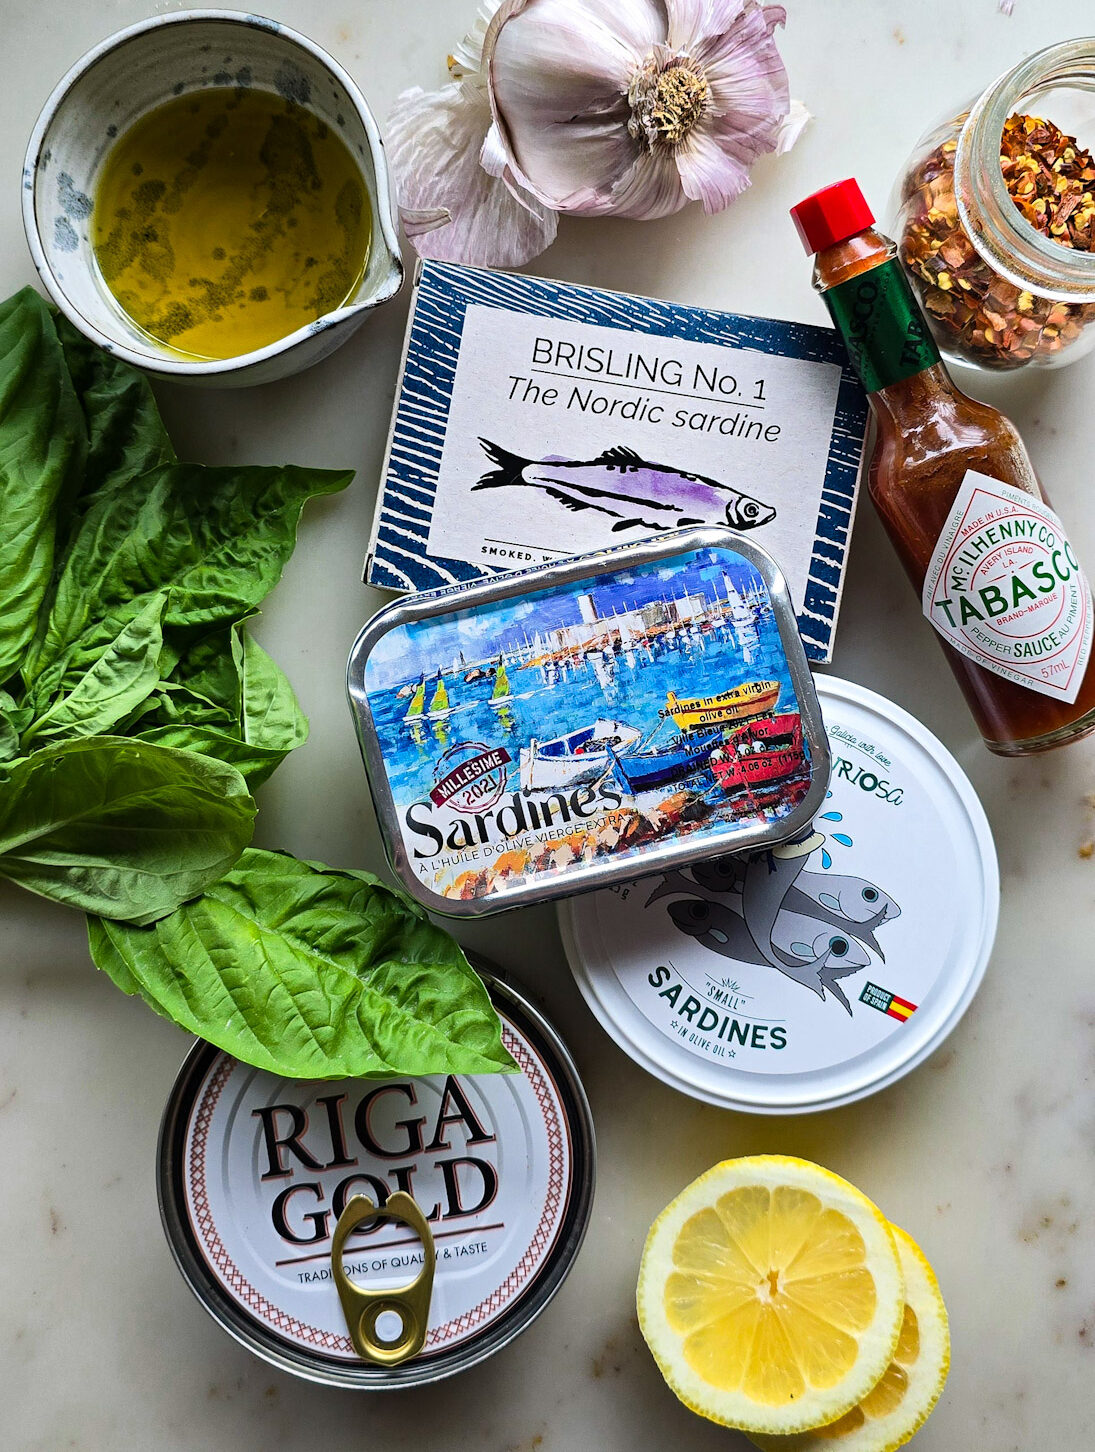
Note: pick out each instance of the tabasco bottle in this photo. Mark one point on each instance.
(959, 497)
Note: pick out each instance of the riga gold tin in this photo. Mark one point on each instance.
(256, 1171)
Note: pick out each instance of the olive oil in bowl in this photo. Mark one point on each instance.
(227, 218)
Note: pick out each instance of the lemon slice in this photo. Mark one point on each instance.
(771, 1295)
(891, 1414)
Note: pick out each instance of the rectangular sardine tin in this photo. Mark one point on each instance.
(588, 722)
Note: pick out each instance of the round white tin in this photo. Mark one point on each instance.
(817, 972)
(254, 1171)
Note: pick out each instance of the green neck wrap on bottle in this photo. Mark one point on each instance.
(881, 323)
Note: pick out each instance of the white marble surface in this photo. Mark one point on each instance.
(985, 1154)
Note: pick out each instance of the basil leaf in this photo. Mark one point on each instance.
(310, 972)
(123, 827)
(172, 705)
(204, 685)
(271, 712)
(112, 689)
(210, 668)
(13, 722)
(42, 447)
(126, 436)
(269, 722)
(215, 540)
(254, 762)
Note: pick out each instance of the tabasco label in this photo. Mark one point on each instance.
(1004, 588)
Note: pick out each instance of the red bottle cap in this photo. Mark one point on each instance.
(831, 215)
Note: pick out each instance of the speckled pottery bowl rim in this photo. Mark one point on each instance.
(163, 364)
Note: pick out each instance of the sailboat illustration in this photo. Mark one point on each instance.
(741, 618)
(501, 692)
(417, 708)
(439, 705)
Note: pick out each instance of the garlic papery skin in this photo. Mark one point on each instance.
(450, 207)
(632, 107)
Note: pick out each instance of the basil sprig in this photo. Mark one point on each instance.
(137, 714)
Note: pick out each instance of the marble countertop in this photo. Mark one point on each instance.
(985, 1154)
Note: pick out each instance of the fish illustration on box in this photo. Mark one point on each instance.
(637, 493)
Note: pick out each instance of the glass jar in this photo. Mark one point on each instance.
(999, 293)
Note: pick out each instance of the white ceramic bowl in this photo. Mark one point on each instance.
(130, 73)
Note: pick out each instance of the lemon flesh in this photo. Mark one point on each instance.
(894, 1411)
(771, 1295)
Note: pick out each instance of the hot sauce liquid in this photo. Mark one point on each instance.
(928, 434)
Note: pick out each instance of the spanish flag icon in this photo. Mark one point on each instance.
(900, 1008)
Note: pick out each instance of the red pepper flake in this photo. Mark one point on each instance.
(1051, 180)
(1062, 173)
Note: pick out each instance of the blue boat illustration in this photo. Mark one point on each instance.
(642, 770)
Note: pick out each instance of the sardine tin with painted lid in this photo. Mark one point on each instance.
(256, 1173)
(818, 971)
(572, 726)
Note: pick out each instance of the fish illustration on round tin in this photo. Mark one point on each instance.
(817, 965)
(850, 903)
(766, 908)
(636, 492)
(852, 898)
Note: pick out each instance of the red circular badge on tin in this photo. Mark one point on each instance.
(470, 777)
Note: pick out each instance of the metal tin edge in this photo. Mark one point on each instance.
(981, 828)
(524, 1310)
(519, 582)
(862, 696)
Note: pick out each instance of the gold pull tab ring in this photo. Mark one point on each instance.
(411, 1303)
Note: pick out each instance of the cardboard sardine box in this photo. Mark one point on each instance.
(539, 419)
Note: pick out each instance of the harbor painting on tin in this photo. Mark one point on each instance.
(524, 735)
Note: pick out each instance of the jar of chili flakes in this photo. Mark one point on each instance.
(995, 217)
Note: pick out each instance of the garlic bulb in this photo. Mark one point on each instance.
(633, 107)
(593, 107)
